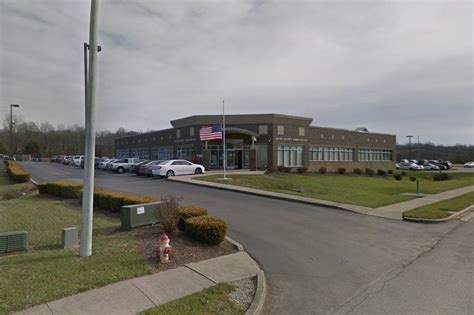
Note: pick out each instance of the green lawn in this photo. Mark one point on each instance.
(47, 272)
(360, 190)
(213, 300)
(441, 209)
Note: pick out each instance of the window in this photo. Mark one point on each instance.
(375, 155)
(280, 130)
(331, 154)
(162, 153)
(290, 155)
(322, 136)
(122, 153)
(191, 131)
(301, 131)
(263, 130)
(185, 152)
(178, 133)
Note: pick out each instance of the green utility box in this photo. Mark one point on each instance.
(13, 241)
(140, 215)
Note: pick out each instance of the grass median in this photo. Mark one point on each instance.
(369, 191)
(441, 209)
(47, 272)
(213, 300)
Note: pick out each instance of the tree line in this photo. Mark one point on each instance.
(458, 153)
(45, 140)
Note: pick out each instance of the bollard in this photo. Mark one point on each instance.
(69, 237)
(417, 187)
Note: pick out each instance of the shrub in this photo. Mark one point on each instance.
(322, 170)
(186, 212)
(369, 171)
(390, 172)
(287, 169)
(341, 170)
(440, 177)
(357, 171)
(381, 172)
(404, 173)
(281, 168)
(397, 176)
(61, 189)
(206, 229)
(302, 169)
(113, 201)
(167, 213)
(19, 174)
(412, 178)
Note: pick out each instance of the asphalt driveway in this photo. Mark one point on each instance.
(317, 260)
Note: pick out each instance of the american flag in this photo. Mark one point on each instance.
(210, 133)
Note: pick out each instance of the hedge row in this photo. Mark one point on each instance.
(186, 212)
(104, 199)
(19, 174)
(206, 229)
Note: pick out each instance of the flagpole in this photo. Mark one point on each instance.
(223, 138)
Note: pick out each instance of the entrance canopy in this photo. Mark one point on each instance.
(240, 131)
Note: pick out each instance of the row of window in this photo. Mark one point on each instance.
(162, 153)
(290, 155)
(331, 154)
(375, 155)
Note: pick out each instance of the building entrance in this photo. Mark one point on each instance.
(234, 159)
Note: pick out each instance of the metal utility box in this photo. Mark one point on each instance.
(69, 237)
(13, 241)
(140, 215)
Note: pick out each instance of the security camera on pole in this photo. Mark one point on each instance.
(91, 95)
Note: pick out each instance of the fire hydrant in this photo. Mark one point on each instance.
(165, 249)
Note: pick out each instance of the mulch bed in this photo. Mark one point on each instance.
(185, 249)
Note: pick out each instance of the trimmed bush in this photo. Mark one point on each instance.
(357, 171)
(281, 168)
(322, 170)
(61, 189)
(398, 176)
(341, 170)
(381, 172)
(412, 178)
(404, 173)
(440, 177)
(206, 229)
(186, 212)
(18, 173)
(390, 172)
(369, 171)
(302, 169)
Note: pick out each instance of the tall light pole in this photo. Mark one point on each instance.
(91, 91)
(12, 147)
(409, 146)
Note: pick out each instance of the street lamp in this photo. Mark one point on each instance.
(11, 129)
(409, 146)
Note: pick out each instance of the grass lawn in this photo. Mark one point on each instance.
(360, 190)
(46, 272)
(441, 209)
(213, 300)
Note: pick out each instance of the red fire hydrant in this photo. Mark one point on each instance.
(164, 250)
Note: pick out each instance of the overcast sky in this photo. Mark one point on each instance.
(400, 67)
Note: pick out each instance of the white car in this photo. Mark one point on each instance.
(469, 165)
(430, 166)
(177, 167)
(409, 166)
(103, 164)
(76, 160)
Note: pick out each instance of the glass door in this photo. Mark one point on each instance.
(231, 159)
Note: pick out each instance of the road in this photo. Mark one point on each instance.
(319, 260)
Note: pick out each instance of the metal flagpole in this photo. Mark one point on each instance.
(87, 197)
(223, 138)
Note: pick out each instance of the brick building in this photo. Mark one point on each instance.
(260, 141)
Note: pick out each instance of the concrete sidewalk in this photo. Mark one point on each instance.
(393, 211)
(138, 294)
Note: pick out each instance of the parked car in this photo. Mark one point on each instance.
(123, 165)
(448, 164)
(67, 160)
(177, 167)
(36, 159)
(54, 159)
(442, 167)
(96, 162)
(409, 166)
(108, 165)
(430, 166)
(77, 160)
(469, 165)
(147, 168)
(135, 167)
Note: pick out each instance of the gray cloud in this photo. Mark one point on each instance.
(401, 67)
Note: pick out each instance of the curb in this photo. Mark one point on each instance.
(266, 195)
(452, 216)
(259, 299)
(33, 181)
(236, 244)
